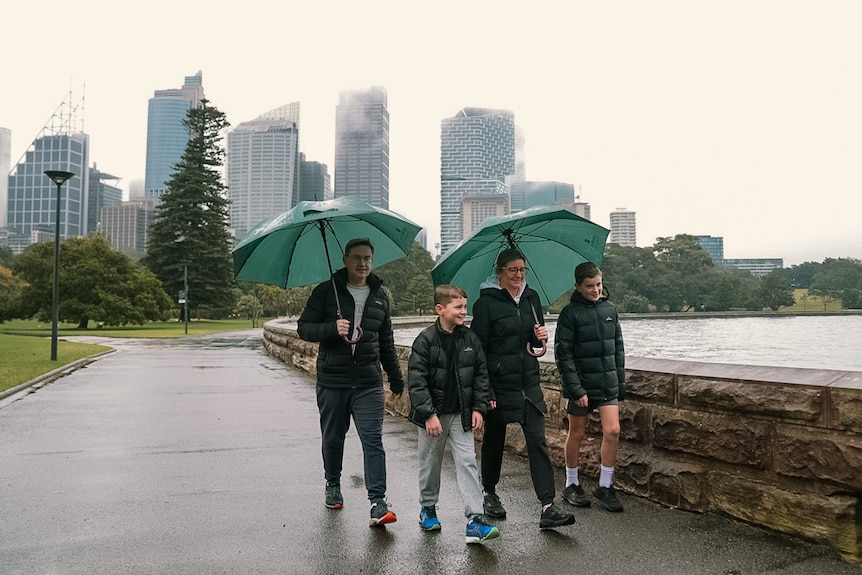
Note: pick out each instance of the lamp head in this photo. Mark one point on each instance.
(59, 177)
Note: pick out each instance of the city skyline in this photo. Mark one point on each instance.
(737, 120)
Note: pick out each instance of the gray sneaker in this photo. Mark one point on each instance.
(334, 500)
(574, 495)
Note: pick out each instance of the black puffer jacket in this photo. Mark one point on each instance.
(428, 370)
(504, 328)
(338, 366)
(588, 349)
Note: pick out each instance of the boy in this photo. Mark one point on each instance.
(448, 386)
(588, 349)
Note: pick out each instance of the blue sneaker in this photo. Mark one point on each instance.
(478, 530)
(428, 519)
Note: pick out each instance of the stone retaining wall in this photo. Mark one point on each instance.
(777, 447)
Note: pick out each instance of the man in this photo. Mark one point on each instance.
(349, 378)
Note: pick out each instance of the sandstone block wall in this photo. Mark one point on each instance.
(776, 447)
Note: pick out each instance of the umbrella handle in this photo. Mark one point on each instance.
(359, 333)
(539, 353)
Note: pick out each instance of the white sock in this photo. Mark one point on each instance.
(606, 478)
(572, 476)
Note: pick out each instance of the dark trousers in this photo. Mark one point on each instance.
(366, 406)
(541, 468)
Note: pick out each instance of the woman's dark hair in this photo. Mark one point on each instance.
(508, 255)
(586, 270)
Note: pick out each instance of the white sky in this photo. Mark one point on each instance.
(733, 118)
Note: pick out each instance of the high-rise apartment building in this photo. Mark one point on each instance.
(100, 195)
(127, 226)
(314, 181)
(262, 167)
(32, 201)
(5, 165)
(477, 160)
(623, 228)
(362, 146)
(167, 137)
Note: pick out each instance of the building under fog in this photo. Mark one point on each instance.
(362, 146)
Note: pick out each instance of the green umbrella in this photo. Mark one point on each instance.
(552, 239)
(302, 245)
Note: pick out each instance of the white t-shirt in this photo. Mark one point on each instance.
(360, 296)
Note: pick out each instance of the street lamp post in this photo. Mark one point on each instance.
(186, 295)
(58, 177)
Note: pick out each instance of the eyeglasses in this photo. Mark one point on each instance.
(515, 271)
(361, 259)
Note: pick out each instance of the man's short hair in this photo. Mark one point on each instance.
(358, 242)
(445, 293)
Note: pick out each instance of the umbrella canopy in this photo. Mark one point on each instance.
(552, 239)
(304, 244)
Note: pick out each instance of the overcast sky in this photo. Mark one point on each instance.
(740, 119)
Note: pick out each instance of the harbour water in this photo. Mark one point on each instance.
(807, 341)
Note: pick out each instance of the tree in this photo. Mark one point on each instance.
(839, 279)
(775, 291)
(409, 281)
(7, 258)
(96, 283)
(11, 288)
(191, 222)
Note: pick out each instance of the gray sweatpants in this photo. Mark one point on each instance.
(462, 445)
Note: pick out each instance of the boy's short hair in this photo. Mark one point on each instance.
(358, 242)
(445, 293)
(586, 270)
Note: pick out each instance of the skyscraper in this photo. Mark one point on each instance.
(314, 181)
(262, 167)
(61, 145)
(362, 146)
(548, 194)
(127, 226)
(100, 195)
(623, 228)
(477, 158)
(5, 164)
(166, 135)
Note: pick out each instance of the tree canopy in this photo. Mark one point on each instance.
(96, 283)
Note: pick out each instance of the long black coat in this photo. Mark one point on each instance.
(589, 351)
(428, 371)
(338, 365)
(504, 328)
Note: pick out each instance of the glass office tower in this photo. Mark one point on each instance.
(167, 137)
(362, 146)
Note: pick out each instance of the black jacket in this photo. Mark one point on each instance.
(588, 349)
(338, 365)
(428, 371)
(504, 328)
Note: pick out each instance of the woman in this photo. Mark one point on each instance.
(507, 317)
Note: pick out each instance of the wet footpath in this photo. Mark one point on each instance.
(202, 456)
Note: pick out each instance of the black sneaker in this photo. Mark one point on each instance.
(574, 495)
(553, 516)
(380, 514)
(608, 497)
(334, 500)
(493, 507)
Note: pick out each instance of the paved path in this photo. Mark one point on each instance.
(202, 456)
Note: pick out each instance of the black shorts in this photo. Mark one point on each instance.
(572, 407)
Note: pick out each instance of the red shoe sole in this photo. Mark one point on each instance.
(388, 518)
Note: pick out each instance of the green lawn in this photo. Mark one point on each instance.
(25, 346)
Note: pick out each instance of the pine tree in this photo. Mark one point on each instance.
(191, 222)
